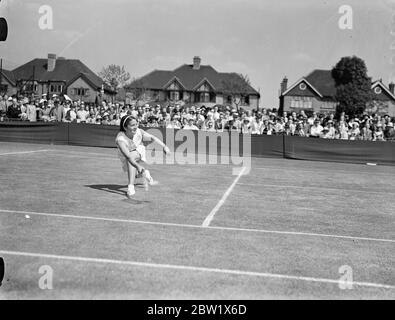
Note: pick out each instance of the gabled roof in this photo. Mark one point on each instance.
(65, 70)
(189, 78)
(379, 83)
(9, 76)
(300, 81)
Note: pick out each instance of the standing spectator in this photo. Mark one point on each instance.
(66, 109)
(343, 130)
(3, 108)
(311, 120)
(57, 111)
(366, 133)
(24, 103)
(291, 125)
(389, 132)
(46, 110)
(31, 112)
(82, 114)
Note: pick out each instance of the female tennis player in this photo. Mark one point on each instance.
(131, 151)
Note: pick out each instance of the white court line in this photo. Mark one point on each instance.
(179, 225)
(23, 152)
(331, 171)
(210, 217)
(192, 268)
(314, 187)
(87, 153)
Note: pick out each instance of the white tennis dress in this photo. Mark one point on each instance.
(133, 144)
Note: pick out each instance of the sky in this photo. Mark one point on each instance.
(265, 40)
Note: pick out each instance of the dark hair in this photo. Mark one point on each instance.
(125, 122)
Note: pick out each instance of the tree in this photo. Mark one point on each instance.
(238, 86)
(353, 86)
(115, 76)
(136, 90)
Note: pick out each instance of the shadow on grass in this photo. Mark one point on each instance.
(118, 189)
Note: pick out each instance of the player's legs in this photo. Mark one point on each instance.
(132, 172)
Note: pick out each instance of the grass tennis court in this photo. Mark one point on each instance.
(282, 232)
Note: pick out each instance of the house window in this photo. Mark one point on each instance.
(81, 91)
(30, 87)
(174, 95)
(377, 90)
(302, 103)
(55, 88)
(302, 86)
(245, 100)
(3, 88)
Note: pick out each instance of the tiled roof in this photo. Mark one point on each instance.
(9, 76)
(65, 70)
(323, 82)
(189, 78)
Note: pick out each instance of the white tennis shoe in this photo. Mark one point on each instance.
(149, 181)
(131, 192)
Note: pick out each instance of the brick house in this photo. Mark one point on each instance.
(197, 84)
(61, 76)
(317, 91)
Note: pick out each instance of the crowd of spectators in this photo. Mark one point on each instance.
(216, 119)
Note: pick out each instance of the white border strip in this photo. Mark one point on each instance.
(24, 152)
(314, 188)
(192, 268)
(210, 217)
(169, 224)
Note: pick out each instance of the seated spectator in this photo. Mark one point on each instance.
(378, 134)
(354, 132)
(220, 123)
(14, 110)
(331, 134)
(105, 118)
(316, 129)
(278, 126)
(71, 114)
(299, 131)
(190, 125)
(210, 126)
(270, 128)
(246, 126)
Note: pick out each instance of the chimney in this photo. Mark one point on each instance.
(392, 87)
(51, 62)
(196, 63)
(284, 84)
